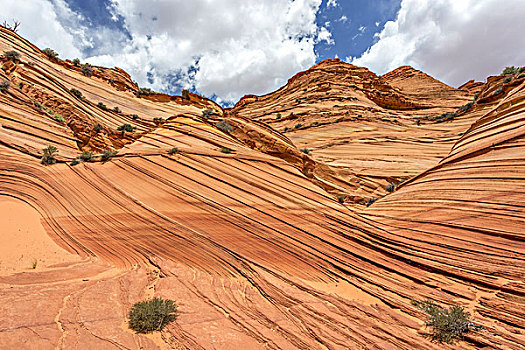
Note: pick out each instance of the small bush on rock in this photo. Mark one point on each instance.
(206, 113)
(510, 70)
(126, 128)
(50, 53)
(77, 93)
(86, 156)
(224, 126)
(107, 154)
(76, 62)
(4, 85)
(173, 150)
(49, 155)
(12, 55)
(86, 70)
(152, 315)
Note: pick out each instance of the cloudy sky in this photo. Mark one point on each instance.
(227, 48)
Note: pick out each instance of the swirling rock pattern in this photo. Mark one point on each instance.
(237, 228)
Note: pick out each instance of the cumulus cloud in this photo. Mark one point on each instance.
(58, 28)
(224, 48)
(452, 40)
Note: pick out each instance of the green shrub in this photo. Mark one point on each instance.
(466, 106)
(116, 109)
(102, 106)
(158, 119)
(86, 70)
(476, 96)
(152, 315)
(21, 85)
(341, 199)
(278, 116)
(12, 55)
(510, 70)
(298, 100)
(391, 187)
(50, 53)
(97, 127)
(497, 92)
(76, 93)
(126, 128)
(107, 154)
(74, 162)
(144, 92)
(76, 62)
(134, 116)
(522, 75)
(286, 129)
(507, 80)
(86, 156)
(224, 126)
(173, 150)
(370, 201)
(226, 150)
(207, 113)
(447, 325)
(298, 125)
(49, 155)
(305, 150)
(57, 117)
(4, 85)
(34, 263)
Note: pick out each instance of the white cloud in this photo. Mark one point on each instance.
(331, 3)
(233, 47)
(56, 28)
(452, 40)
(343, 19)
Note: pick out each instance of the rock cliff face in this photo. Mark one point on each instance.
(222, 213)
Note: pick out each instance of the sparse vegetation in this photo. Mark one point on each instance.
(107, 154)
(37, 104)
(370, 201)
(152, 315)
(391, 187)
(224, 126)
(116, 109)
(74, 162)
(298, 125)
(102, 106)
(497, 92)
(86, 156)
(49, 155)
(286, 129)
(76, 93)
(97, 127)
(206, 113)
(305, 150)
(50, 53)
(12, 55)
(144, 92)
(341, 199)
(507, 80)
(21, 85)
(448, 325)
(86, 70)
(4, 85)
(13, 27)
(134, 116)
(34, 263)
(476, 96)
(510, 70)
(57, 117)
(444, 117)
(76, 62)
(278, 116)
(174, 150)
(226, 150)
(158, 119)
(522, 75)
(465, 107)
(126, 128)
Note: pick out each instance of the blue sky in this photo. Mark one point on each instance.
(227, 48)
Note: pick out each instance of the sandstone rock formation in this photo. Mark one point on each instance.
(242, 229)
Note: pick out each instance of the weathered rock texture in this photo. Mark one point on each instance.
(237, 227)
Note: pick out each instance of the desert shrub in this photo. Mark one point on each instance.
(86, 70)
(76, 93)
(158, 119)
(447, 325)
(185, 94)
(49, 155)
(102, 106)
(21, 85)
(13, 27)
(58, 117)
(34, 263)
(298, 100)
(207, 113)
(341, 199)
(522, 75)
(476, 96)
(173, 150)
(76, 62)
(466, 106)
(444, 117)
(391, 187)
(126, 128)
(286, 129)
(12, 55)
(507, 80)
(97, 127)
(298, 125)
(4, 85)
(278, 116)
(74, 162)
(510, 70)
(144, 92)
(50, 53)
(152, 315)
(224, 126)
(226, 150)
(37, 104)
(497, 92)
(107, 154)
(116, 109)
(305, 150)
(86, 156)
(370, 201)
(134, 116)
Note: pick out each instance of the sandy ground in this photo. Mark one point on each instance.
(24, 243)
